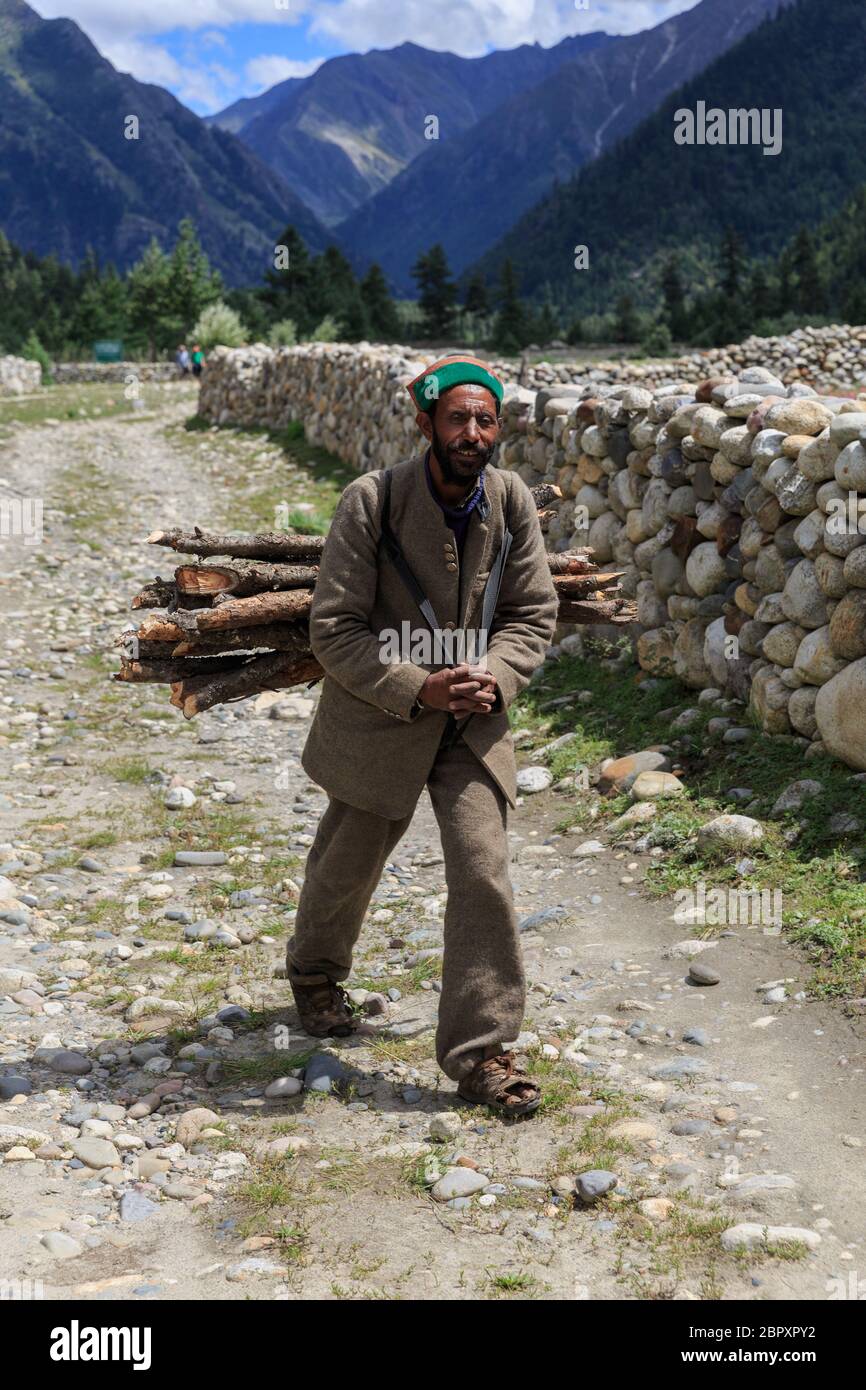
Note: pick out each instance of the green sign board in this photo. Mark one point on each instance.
(108, 350)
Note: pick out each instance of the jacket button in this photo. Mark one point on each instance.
(451, 567)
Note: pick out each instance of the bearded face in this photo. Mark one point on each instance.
(463, 431)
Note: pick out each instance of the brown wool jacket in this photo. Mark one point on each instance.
(366, 746)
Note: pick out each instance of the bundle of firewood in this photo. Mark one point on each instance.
(235, 621)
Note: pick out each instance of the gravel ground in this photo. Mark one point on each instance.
(716, 1109)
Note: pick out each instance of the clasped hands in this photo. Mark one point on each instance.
(461, 689)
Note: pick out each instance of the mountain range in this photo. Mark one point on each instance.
(343, 134)
(71, 179)
(650, 196)
(468, 192)
(538, 149)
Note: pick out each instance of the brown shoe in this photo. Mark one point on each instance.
(502, 1086)
(323, 1007)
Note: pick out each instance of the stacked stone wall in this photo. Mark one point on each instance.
(731, 503)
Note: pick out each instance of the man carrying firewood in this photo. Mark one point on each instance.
(441, 542)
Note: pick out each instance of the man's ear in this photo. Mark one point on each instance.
(425, 424)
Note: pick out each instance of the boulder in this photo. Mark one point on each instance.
(848, 626)
(730, 832)
(802, 599)
(620, 774)
(816, 661)
(840, 714)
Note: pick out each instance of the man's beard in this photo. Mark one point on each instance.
(461, 470)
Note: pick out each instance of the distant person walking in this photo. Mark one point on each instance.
(181, 357)
(197, 359)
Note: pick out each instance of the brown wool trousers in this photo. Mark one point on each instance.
(483, 982)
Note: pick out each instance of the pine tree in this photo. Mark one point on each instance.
(627, 324)
(810, 290)
(192, 285)
(289, 286)
(732, 263)
(785, 290)
(545, 326)
(384, 321)
(475, 300)
(759, 294)
(149, 305)
(437, 293)
(674, 298)
(354, 318)
(509, 330)
(334, 293)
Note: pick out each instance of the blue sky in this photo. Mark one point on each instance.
(210, 52)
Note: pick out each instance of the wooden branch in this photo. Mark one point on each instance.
(271, 545)
(157, 627)
(273, 637)
(571, 562)
(276, 672)
(158, 594)
(135, 649)
(243, 577)
(597, 611)
(545, 493)
(166, 672)
(255, 611)
(581, 584)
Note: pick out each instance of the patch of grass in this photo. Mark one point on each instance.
(398, 1049)
(265, 1067)
(134, 771)
(315, 476)
(595, 1146)
(78, 401)
(99, 839)
(687, 1245)
(105, 911)
(505, 1285)
(561, 1088)
(414, 1169)
(293, 1242)
(269, 1188)
(408, 981)
(820, 874)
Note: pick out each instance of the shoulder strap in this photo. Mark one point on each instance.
(494, 582)
(398, 559)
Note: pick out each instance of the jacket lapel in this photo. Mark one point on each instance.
(423, 534)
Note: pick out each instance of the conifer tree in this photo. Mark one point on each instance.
(437, 293)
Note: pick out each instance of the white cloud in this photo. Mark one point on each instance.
(199, 87)
(472, 27)
(271, 68)
(122, 31)
(106, 19)
(469, 27)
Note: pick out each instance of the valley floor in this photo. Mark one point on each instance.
(713, 1107)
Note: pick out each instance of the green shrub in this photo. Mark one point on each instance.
(283, 334)
(33, 350)
(328, 331)
(219, 326)
(656, 342)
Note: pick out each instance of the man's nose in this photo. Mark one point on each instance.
(471, 431)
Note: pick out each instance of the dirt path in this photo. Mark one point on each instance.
(324, 1195)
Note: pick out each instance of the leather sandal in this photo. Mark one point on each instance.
(323, 1006)
(502, 1086)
